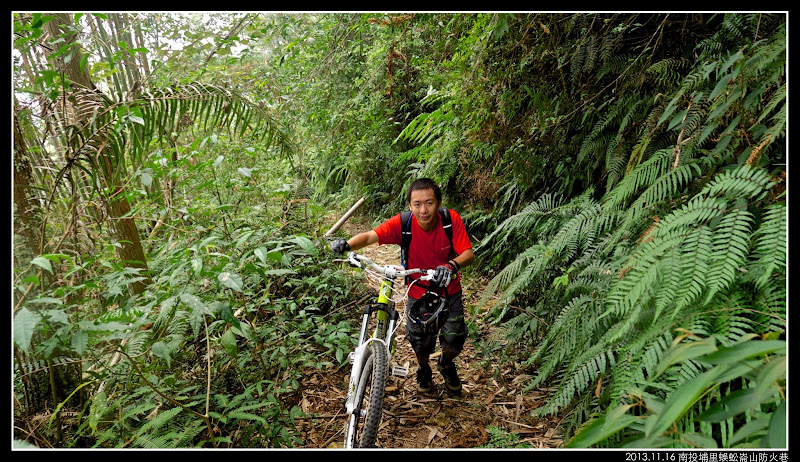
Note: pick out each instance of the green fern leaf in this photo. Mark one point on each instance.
(741, 182)
(159, 420)
(695, 260)
(731, 243)
(770, 247)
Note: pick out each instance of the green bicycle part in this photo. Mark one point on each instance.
(384, 296)
(385, 293)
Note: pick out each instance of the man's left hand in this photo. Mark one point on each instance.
(443, 274)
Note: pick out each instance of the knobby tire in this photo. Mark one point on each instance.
(369, 395)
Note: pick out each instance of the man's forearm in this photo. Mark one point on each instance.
(464, 260)
(363, 239)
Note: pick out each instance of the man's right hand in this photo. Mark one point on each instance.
(339, 246)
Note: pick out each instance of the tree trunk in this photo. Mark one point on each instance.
(131, 252)
(27, 216)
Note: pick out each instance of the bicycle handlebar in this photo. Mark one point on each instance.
(390, 271)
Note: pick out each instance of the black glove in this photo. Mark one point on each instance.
(340, 246)
(443, 274)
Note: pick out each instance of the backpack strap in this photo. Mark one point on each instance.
(405, 234)
(447, 224)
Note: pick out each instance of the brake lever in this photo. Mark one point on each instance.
(351, 258)
(428, 276)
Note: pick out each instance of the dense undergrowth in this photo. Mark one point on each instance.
(237, 310)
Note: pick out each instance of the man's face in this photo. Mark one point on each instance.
(425, 207)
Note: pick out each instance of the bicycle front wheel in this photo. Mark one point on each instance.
(369, 397)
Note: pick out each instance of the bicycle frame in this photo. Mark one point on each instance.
(383, 333)
(386, 316)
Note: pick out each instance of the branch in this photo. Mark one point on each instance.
(680, 139)
(235, 30)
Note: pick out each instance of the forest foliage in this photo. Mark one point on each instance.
(622, 175)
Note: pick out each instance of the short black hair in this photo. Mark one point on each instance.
(424, 183)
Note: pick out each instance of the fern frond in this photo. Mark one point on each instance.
(565, 242)
(666, 71)
(644, 175)
(137, 410)
(647, 348)
(636, 287)
(777, 98)
(741, 182)
(429, 126)
(614, 65)
(667, 186)
(697, 78)
(520, 266)
(777, 129)
(772, 303)
(593, 145)
(562, 337)
(159, 420)
(731, 243)
(770, 244)
(700, 210)
(527, 274)
(190, 431)
(152, 441)
(576, 64)
(697, 251)
(579, 380)
(616, 161)
(670, 280)
(732, 317)
(121, 131)
(523, 221)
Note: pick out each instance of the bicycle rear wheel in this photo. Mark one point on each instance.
(369, 397)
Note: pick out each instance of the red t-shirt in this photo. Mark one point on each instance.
(428, 249)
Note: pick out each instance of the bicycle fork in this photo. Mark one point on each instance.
(387, 321)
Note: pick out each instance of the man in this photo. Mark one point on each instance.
(430, 247)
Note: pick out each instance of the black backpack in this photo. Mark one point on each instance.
(405, 232)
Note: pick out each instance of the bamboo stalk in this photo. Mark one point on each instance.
(345, 217)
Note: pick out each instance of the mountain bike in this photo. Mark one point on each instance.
(371, 358)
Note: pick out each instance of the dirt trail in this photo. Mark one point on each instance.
(414, 420)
